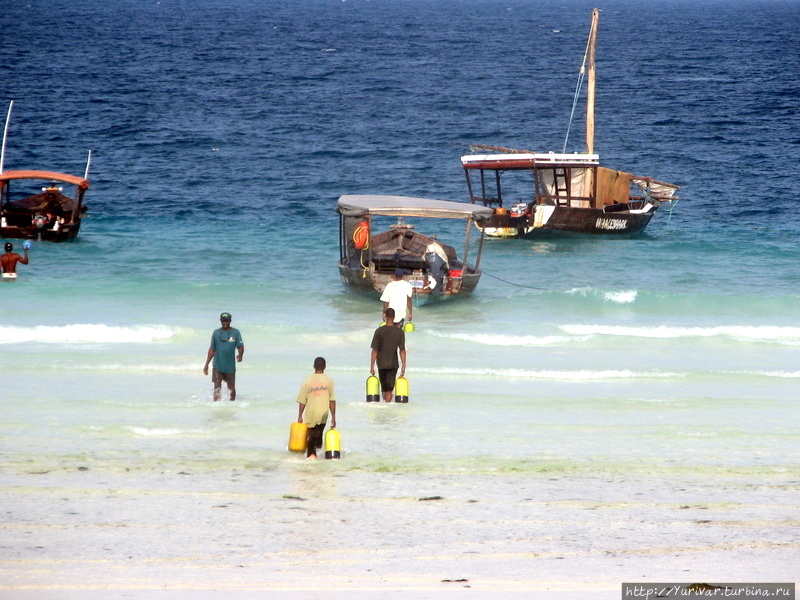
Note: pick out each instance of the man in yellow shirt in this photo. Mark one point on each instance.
(316, 398)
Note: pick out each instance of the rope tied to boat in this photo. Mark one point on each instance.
(672, 206)
(519, 285)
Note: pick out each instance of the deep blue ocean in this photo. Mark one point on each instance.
(600, 410)
(222, 134)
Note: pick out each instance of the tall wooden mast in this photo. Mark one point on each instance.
(590, 84)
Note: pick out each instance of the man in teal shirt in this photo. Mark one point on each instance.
(227, 348)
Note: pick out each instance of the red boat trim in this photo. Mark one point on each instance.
(45, 175)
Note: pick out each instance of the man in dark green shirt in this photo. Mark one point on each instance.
(227, 348)
(388, 341)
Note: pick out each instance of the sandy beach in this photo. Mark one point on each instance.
(288, 531)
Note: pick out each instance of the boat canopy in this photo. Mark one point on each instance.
(44, 175)
(522, 160)
(657, 190)
(405, 206)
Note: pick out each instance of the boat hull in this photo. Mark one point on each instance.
(557, 219)
(372, 283)
(64, 234)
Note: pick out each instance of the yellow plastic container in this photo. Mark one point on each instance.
(409, 327)
(333, 444)
(401, 390)
(373, 389)
(298, 436)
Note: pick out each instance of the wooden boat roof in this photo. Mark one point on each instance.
(406, 206)
(45, 175)
(524, 160)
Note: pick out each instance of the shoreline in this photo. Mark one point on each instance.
(299, 529)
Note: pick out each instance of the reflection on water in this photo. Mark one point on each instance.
(390, 415)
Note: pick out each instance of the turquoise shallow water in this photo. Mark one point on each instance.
(222, 136)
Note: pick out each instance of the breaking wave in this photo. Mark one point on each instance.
(85, 334)
(767, 333)
(495, 339)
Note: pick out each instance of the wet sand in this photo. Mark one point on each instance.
(301, 529)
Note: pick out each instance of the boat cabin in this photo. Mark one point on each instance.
(566, 180)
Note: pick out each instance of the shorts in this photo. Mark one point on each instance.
(387, 377)
(218, 377)
(314, 439)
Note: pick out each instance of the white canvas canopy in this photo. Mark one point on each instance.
(526, 160)
(657, 190)
(406, 206)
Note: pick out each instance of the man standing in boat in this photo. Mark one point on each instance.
(388, 341)
(397, 296)
(9, 260)
(226, 349)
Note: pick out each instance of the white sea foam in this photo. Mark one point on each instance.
(163, 431)
(780, 374)
(133, 368)
(85, 333)
(622, 297)
(786, 335)
(574, 375)
(343, 338)
(495, 339)
(618, 296)
(577, 375)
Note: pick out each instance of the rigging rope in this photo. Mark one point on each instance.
(673, 204)
(530, 287)
(581, 77)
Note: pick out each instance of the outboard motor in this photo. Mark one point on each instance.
(437, 267)
(39, 221)
(519, 209)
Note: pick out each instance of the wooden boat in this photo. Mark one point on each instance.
(49, 215)
(33, 204)
(539, 193)
(368, 260)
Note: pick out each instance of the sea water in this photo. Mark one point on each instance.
(222, 134)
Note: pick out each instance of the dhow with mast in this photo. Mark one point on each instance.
(561, 192)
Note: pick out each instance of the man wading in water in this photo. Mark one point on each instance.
(9, 260)
(227, 348)
(388, 341)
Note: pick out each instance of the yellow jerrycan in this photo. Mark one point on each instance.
(409, 327)
(401, 390)
(333, 444)
(298, 434)
(373, 389)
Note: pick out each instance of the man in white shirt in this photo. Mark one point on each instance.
(397, 295)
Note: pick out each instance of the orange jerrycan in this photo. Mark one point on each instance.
(298, 434)
(401, 390)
